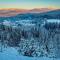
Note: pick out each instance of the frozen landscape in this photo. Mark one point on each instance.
(30, 36)
(11, 54)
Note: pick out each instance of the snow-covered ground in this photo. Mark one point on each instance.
(53, 20)
(7, 23)
(12, 54)
(26, 23)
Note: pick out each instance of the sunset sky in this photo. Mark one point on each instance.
(29, 4)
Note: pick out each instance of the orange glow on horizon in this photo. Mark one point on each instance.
(50, 7)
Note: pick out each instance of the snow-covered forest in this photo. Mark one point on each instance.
(32, 37)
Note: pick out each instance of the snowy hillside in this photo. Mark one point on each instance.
(53, 21)
(11, 54)
(30, 37)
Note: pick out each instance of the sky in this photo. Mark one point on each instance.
(29, 4)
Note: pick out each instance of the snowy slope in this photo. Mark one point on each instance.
(7, 23)
(53, 20)
(12, 54)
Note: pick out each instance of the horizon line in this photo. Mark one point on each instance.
(29, 8)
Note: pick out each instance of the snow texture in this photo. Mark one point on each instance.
(10, 53)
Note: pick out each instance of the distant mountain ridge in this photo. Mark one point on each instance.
(40, 10)
(13, 12)
(51, 14)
